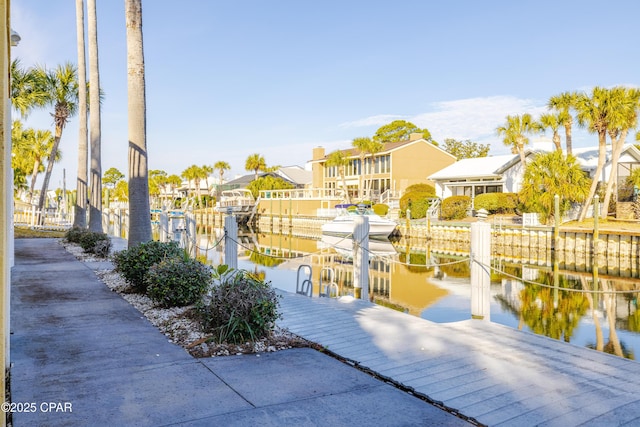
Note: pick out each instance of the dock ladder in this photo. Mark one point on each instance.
(304, 287)
(328, 287)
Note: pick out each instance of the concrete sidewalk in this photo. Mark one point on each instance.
(81, 355)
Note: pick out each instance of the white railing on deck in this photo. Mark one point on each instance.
(302, 193)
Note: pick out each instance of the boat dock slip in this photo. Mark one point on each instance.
(488, 372)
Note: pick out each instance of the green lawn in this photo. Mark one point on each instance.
(28, 233)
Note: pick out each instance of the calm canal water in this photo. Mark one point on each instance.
(421, 282)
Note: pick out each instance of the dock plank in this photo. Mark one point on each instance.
(489, 372)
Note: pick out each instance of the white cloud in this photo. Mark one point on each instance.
(474, 118)
(379, 120)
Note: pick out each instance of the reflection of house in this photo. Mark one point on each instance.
(503, 174)
(397, 166)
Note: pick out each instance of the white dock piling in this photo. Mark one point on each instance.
(361, 257)
(480, 270)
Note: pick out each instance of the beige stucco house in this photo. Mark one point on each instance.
(392, 170)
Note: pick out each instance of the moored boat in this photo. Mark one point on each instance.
(344, 223)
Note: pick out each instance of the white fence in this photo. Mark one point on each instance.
(29, 216)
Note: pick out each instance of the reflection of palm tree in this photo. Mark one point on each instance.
(610, 305)
(614, 345)
(541, 315)
(596, 321)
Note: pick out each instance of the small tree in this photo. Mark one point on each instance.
(550, 174)
(466, 149)
(268, 183)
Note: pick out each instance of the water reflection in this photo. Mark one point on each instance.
(417, 279)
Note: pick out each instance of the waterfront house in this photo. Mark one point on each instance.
(503, 174)
(397, 166)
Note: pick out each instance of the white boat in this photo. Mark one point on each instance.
(344, 223)
(239, 200)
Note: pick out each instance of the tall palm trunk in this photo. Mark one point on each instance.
(34, 175)
(139, 218)
(616, 149)
(80, 215)
(52, 158)
(95, 184)
(602, 155)
(556, 140)
(567, 131)
(344, 184)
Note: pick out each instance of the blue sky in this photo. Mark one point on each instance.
(226, 79)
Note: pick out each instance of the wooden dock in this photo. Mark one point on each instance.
(488, 372)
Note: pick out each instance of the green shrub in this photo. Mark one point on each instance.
(497, 203)
(380, 209)
(74, 234)
(455, 207)
(134, 263)
(92, 242)
(241, 307)
(175, 282)
(416, 197)
(96, 243)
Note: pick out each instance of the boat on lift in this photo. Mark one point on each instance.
(344, 223)
(239, 201)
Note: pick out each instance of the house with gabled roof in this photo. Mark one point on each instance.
(503, 174)
(397, 166)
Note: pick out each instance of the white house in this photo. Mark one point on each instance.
(503, 174)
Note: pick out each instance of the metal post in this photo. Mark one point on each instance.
(230, 240)
(361, 257)
(480, 273)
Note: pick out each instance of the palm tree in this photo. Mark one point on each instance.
(255, 162)
(206, 171)
(61, 85)
(339, 160)
(139, 218)
(624, 117)
(593, 112)
(221, 166)
(550, 174)
(173, 181)
(514, 133)
(362, 144)
(80, 213)
(193, 173)
(40, 144)
(553, 122)
(95, 183)
(20, 153)
(27, 89)
(374, 148)
(157, 181)
(563, 104)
